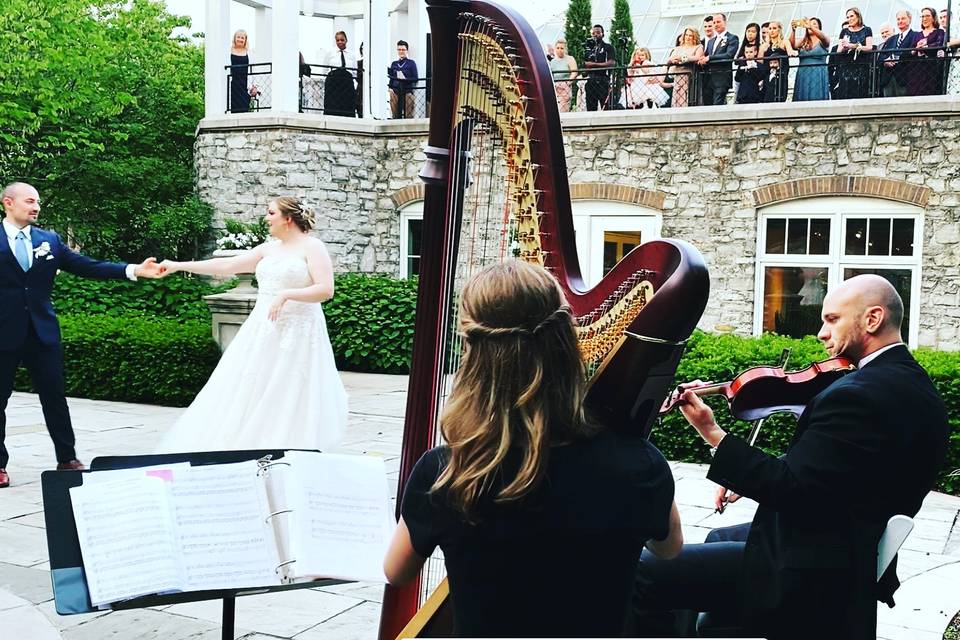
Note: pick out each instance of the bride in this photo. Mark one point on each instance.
(276, 386)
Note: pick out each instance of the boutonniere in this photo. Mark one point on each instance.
(41, 251)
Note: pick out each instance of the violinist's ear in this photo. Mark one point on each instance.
(874, 317)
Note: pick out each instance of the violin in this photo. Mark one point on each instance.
(760, 392)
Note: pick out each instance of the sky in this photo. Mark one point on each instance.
(536, 12)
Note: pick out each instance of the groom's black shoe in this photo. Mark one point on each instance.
(4, 479)
(72, 465)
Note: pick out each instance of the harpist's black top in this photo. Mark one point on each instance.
(560, 563)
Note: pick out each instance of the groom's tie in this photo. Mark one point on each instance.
(20, 251)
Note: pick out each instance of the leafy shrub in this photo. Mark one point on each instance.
(178, 230)
(370, 321)
(135, 359)
(177, 296)
(720, 358)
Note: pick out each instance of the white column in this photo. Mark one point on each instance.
(377, 59)
(216, 56)
(285, 35)
(263, 47)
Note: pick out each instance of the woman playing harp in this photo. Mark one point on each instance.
(496, 188)
(530, 495)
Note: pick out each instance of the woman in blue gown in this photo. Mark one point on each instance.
(811, 82)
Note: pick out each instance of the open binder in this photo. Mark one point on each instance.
(257, 522)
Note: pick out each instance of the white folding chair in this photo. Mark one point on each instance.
(898, 528)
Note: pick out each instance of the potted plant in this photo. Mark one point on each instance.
(237, 237)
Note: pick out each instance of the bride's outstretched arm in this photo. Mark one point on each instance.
(245, 262)
(321, 272)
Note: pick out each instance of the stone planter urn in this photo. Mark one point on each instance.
(245, 284)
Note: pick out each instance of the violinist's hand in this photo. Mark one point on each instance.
(724, 497)
(698, 414)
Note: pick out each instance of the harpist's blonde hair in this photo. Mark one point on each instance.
(520, 384)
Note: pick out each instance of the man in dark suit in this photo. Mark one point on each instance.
(893, 71)
(867, 448)
(29, 331)
(717, 62)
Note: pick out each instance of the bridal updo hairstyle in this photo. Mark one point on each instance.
(519, 388)
(292, 208)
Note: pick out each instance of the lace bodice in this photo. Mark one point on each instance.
(276, 272)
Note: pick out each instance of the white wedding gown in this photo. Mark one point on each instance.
(276, 386)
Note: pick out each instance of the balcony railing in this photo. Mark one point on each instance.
(337, 90)
(869, 74)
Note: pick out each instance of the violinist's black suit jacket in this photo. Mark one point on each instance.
(868, 447)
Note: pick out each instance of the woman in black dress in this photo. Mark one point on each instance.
(852, 59)
(529, 492)
(239, 64)
(775, 54)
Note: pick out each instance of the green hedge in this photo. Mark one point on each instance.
(720, 358)
(370, 321)
(178, 296)
(135, 359)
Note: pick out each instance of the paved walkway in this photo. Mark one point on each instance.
(929, 562)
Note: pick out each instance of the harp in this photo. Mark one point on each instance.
(496, 187)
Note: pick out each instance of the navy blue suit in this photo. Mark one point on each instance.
(718, 75)
(30, 333)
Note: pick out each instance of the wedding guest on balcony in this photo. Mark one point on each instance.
(565, 72)
(811, 82)
(683, 62)
(240, 89)
(339, 90)
(926, 69)
(894, 68)
(853, 71)
(403, 82)
(716, 63)
(764, 32)
(944, 19)
(644, 84)
(775, 54)
(751, 36)
(886, 30)
(750, 77)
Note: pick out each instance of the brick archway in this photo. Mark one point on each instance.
(617, 193)
(578, 191)
(885, 188)
(408, 194)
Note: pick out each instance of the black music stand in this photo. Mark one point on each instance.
(70, 592)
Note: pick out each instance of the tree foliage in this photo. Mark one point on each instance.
(98, 107)
(577, 28)
(621, 32)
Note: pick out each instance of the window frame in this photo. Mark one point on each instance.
(410, 211)
(839, 209)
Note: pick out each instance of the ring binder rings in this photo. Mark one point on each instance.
(276, 513)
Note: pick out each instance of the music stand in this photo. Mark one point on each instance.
(70, 592)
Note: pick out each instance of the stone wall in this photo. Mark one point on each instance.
(710, 167)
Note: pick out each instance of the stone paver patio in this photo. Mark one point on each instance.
(929, 562)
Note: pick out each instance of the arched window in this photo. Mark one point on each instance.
(806, 247)
(607, 230)
(411, 224)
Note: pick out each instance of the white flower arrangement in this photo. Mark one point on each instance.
(237, 241)
(43, 250)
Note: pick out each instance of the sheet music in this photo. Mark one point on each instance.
(220, 514)
(126, 537)
(163, 471)
(341, 514)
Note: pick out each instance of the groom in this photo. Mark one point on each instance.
(29, 332)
